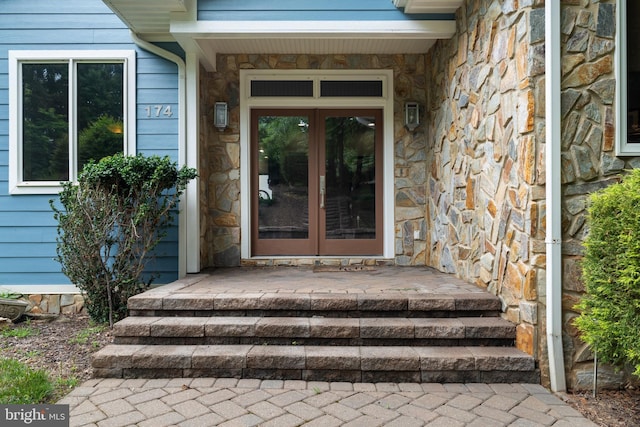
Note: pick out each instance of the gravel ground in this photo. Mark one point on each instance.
(63, 347)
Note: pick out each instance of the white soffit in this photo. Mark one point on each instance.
(314, 46)
(148, 18)
(314, 37)
(428, 6)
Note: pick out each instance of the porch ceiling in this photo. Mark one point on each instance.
(317, 37)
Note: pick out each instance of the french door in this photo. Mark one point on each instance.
(316, 182)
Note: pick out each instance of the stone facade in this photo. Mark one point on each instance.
(486, 209)
(220, 155)
(588, 155)
(486, 190)
(55, 303)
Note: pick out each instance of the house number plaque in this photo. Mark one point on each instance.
(158, 111)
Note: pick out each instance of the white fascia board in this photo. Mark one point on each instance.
(316, 29)
(430, 6)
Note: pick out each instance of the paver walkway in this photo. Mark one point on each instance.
(252, 402)
(247, 402)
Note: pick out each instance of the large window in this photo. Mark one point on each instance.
(66, 108)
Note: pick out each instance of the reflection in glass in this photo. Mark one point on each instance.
(45, 122)
(45, 116)
(100, 111)
(633, 73)
(350, 177)
(283, 180)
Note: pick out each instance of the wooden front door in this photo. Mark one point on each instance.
(316, 182)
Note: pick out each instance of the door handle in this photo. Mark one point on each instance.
(323, 190)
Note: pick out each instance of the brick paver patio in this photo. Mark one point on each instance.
(247, 402)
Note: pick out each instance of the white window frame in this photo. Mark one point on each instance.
(623, 148)
(384, 102)
(17, 185)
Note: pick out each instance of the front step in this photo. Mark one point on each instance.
(158, 303)
(464, 331)
(398, 325)
(318, 363)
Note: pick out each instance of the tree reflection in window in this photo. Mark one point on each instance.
(97, 123)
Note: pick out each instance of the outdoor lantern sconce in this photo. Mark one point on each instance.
(411, 115)
(221, 115)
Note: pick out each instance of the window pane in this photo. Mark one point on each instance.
(100, 111)
(282, 88)
(351, 88)
(283, 193)
(350, 174)
(45, 122)
(633, 73)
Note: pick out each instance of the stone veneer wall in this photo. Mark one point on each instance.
(54, 303)
(220, 154)
(485, 158)
(589, 160)
(486, 208)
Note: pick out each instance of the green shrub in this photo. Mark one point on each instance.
(610, 310)
(109, 224)
(20, 384)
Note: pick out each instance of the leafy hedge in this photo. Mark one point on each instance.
(610, 310)
(109, 224)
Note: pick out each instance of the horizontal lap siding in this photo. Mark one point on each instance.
(296, 10)
(27, 228)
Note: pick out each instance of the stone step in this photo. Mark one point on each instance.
(315, 330)
(263, 304)
(318, 363)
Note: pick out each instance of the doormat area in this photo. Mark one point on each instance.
(341, 268)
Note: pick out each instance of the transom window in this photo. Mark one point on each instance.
(67, 108)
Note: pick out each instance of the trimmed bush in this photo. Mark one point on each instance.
(109, 224)
(610, 310)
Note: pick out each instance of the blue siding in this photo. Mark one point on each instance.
(27, 228)
(296, 10)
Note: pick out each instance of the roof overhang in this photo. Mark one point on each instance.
(176, 20)
(150, 19)
(312, 37)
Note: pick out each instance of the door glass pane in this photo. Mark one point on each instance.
(350, 178)
(45, 122)
(283, 178)
(99, 111)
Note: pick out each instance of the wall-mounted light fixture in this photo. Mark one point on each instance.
(411, 115)
(221, 115)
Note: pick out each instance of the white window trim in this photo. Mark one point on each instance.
(623, 148)
(385, 102)
(16, 184)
